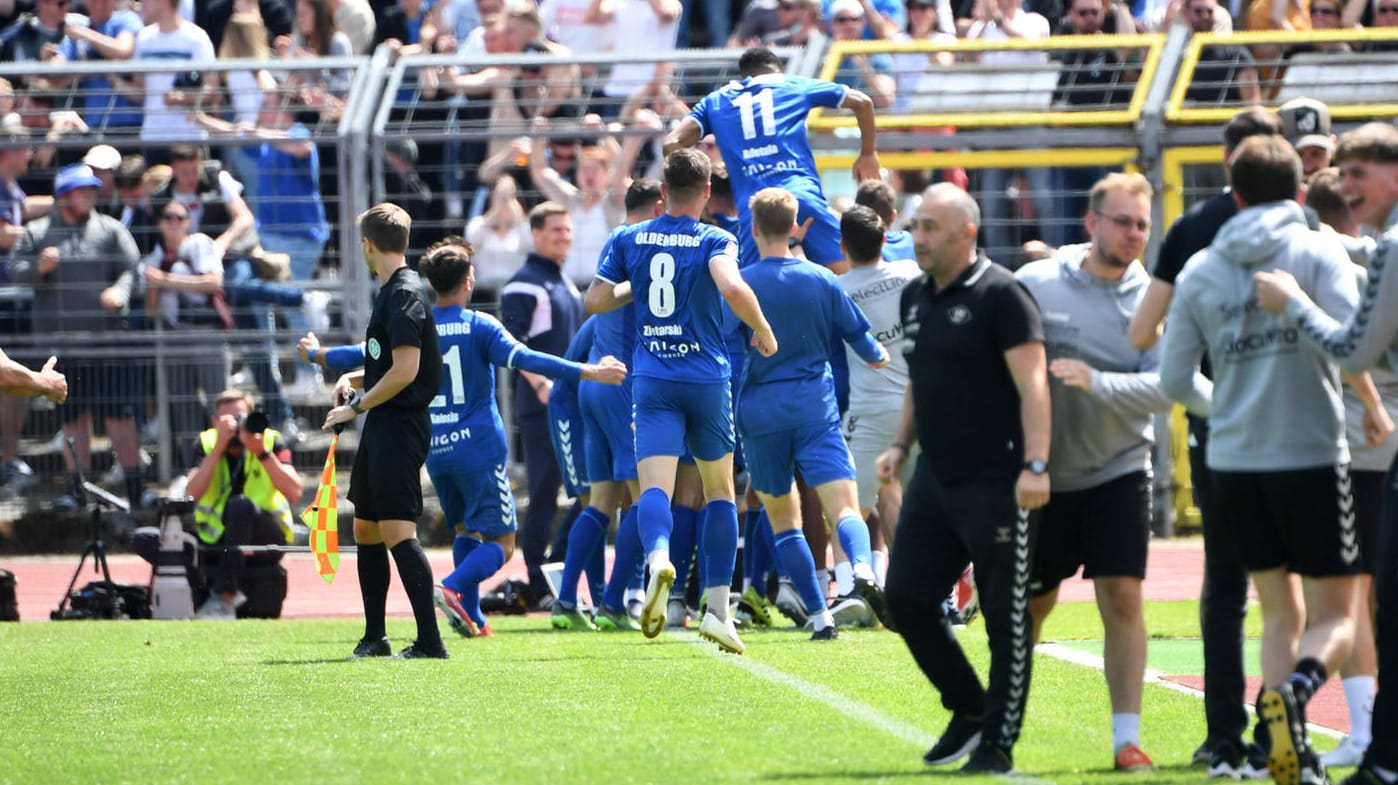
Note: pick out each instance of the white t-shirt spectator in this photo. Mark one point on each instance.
(635, 27)
(188, 45)
(1035, 27)
(196, 256)
(228, 187)
(563, 22)
(498, 255)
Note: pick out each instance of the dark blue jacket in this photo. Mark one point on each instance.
(543, 311)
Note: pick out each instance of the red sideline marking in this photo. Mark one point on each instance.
(1327, 707)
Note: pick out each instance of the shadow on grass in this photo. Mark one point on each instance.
(319, 661)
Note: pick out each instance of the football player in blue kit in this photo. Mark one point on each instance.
(681, 272)
(468, 454)
(759, 124)
(610, 454)
(787, 411)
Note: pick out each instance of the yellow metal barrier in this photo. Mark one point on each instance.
(1151, 45)
(991, 159)
(1176, 112)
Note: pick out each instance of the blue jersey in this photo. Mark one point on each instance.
(563, 398)
(467, 432)
(615, 330)
(760, 127)
(678, 309)
(797, 387)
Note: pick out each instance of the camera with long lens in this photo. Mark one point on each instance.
(254, 422)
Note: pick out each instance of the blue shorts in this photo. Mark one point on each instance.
(611, 444)
(819, 452)
(822, 242)
(480, 499)
(567, 431)
(673, 415)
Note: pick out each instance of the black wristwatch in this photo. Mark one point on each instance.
(1036, 466)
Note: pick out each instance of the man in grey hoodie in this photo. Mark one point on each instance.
(1277, 444)
(1105, 395)
(1368, 160)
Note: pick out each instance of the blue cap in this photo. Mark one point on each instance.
(74, 176)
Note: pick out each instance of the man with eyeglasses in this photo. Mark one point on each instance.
(1105, 397)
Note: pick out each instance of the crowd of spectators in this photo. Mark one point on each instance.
(252, 182)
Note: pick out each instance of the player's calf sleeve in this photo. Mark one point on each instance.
(683, 539)
(720, 543)
(654, 520)
(795, 553)
(854, 538)
(626, 561)
(590, 526)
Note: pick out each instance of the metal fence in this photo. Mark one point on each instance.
(1027, 126)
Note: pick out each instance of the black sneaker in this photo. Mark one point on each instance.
(962, 735)
(374, 648)
(873, 597)
(1255, 763)
(1286, 730)
(828, 633)
(420, 652)
(989, 759)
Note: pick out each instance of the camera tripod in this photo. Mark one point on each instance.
(95, 496)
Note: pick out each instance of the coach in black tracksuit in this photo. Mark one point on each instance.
(978, 402)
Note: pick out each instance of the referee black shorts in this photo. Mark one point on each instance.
(1104, 529)
(386, 482)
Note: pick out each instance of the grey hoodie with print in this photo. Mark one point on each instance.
(1276, 401)
(1104, 432)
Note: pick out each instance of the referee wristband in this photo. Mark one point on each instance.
(356, 408)
(899, 446)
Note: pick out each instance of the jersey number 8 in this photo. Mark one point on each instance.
(661, 296)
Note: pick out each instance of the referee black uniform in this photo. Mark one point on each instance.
(960, 506)
(385, 484)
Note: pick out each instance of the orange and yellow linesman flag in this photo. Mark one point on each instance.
(323, 519)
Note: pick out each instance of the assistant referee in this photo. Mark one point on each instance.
(978, 403)
(402, 374)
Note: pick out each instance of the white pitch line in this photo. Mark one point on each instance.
(855, 710)
(1080, 657)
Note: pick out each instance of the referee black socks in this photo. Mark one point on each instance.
(373, 587)
(416, 574)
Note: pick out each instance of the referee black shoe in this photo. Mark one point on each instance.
(374, 648)
(826, 633)
(418, 651)
(962, 735)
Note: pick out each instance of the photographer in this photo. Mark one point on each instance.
(244, 487)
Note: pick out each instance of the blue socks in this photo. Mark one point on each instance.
(682, 542)
(627, 561)
(461, 547)
(795, 554)
(590, 527)
(720, 543)
(757, 553)
(483, 561)
(854, 538)
(764, 529)
(655, 521)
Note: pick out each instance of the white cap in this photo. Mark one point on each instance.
(103, 156)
